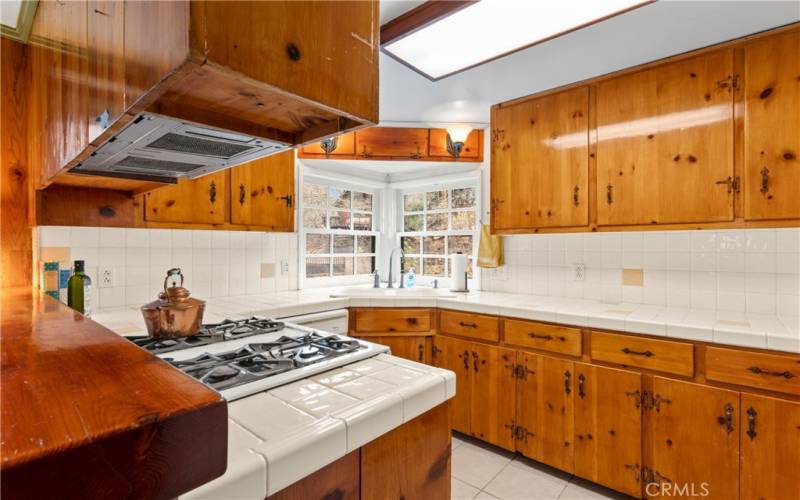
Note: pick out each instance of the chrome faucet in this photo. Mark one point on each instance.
(391, 274)
(376, 279)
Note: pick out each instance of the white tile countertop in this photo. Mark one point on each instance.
(278, 437)
(732, 328)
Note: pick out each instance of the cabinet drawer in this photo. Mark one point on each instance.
(659, 355)
(772, 372)
(553, 338)
(477, 326)
(393, 320)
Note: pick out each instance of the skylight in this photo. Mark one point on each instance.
(489, 29)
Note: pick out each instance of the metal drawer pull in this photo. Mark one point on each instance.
(581, 382)
(764, 180)
(751, 423)
(647, 354)
(468, 325)
(567, 387)
(540, 337)
(575, 198)
(242, 194)
(758, 371)
(475, 361)
(727, 420)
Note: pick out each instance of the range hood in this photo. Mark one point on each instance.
(162, 149)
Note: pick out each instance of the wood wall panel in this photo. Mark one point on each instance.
(15, 183)
(106, 56)
(79, 206)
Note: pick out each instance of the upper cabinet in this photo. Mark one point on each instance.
(290, 72)
(196, 201)
(540, 161)
(262, 192)
(706, 138)
(387, 143)
(665, 143)
(772, 127)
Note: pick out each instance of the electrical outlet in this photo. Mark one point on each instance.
(579, 271)
(105, 277)
(284, 267)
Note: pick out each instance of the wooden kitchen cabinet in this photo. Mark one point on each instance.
(454, 355)
(608, 427)
(379, 143)
(415, 348)
(545, 409)
(198, 201)
(665, 143)
(540, 161)
(106, 59)
(770, 447)
(772, 127)
(691, 439)
(493, 397)
(262, 192)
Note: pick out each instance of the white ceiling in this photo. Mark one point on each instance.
(655, 31)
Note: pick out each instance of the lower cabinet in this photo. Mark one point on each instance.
(769, 437)
(484, 404)
(545, 406)
(608, 427)
(413, 348)
(691, 441)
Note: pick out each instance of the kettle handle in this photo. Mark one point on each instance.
(175, 271)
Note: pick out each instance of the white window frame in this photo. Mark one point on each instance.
(448, 185)
(344, 184)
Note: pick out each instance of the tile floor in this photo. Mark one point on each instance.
(482, 471)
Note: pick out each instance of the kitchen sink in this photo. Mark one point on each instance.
(392, 292)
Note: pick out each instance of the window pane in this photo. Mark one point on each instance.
(411, 263)
(365, 265)
(362, 221)
(342, 266)
(314, 218)
(412, 222)
(340, 220)
(464, 220)
(410, 244)
(464, 198)
(318, 243)
(433, 266)
(412, 202)
(436, 200)
(343, 244)
(461, 244)
(313, 195)
(362, 201)
(433, 245)
(366, 244)
(338, 198)
(318, 266)
(436, 222)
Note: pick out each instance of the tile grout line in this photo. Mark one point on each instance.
(493, 478)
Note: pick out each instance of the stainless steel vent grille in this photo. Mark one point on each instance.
(149, 164)
(195, 145)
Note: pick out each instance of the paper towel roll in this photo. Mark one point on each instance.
(458, 268)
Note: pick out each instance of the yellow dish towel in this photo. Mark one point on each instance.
(490, 250)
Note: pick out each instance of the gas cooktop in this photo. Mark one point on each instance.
(241, 358)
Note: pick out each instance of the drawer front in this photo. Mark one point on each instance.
(772, 372)
(477, 326)
(553, 338)
(393, 320)
(659, 355)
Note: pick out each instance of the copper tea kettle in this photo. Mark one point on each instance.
(174, 314)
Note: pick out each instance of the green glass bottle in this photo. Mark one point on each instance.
(79, 290)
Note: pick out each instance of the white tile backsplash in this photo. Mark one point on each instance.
(215, 263)
(753, 270)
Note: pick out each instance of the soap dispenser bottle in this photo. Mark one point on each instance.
(411, 278)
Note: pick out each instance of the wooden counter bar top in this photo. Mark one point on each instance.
(85, 413)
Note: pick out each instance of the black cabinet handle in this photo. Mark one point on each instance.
(726, 420)
(421, 352)
(465, 357)
(467, 325)
(567, 386)
(540, 337)
(581, 383)
(212, 192)
(475, 361)
(764, 180)
(242, 194)
(646, 354)
(575, 199)
(751, 423)
(288, 200)
(759, 371)
(609, 194)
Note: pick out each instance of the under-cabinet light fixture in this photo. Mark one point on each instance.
(472, 33)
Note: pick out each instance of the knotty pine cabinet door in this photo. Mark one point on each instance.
(198, 201)
(540, 161)
(493, 395)
(665, 143)
(608, 427)
(770, 446)
(454, 355)
(772, 127)
(262, 192)
(386, 142)
(415, 348)
(545, 409)
(691, 439)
